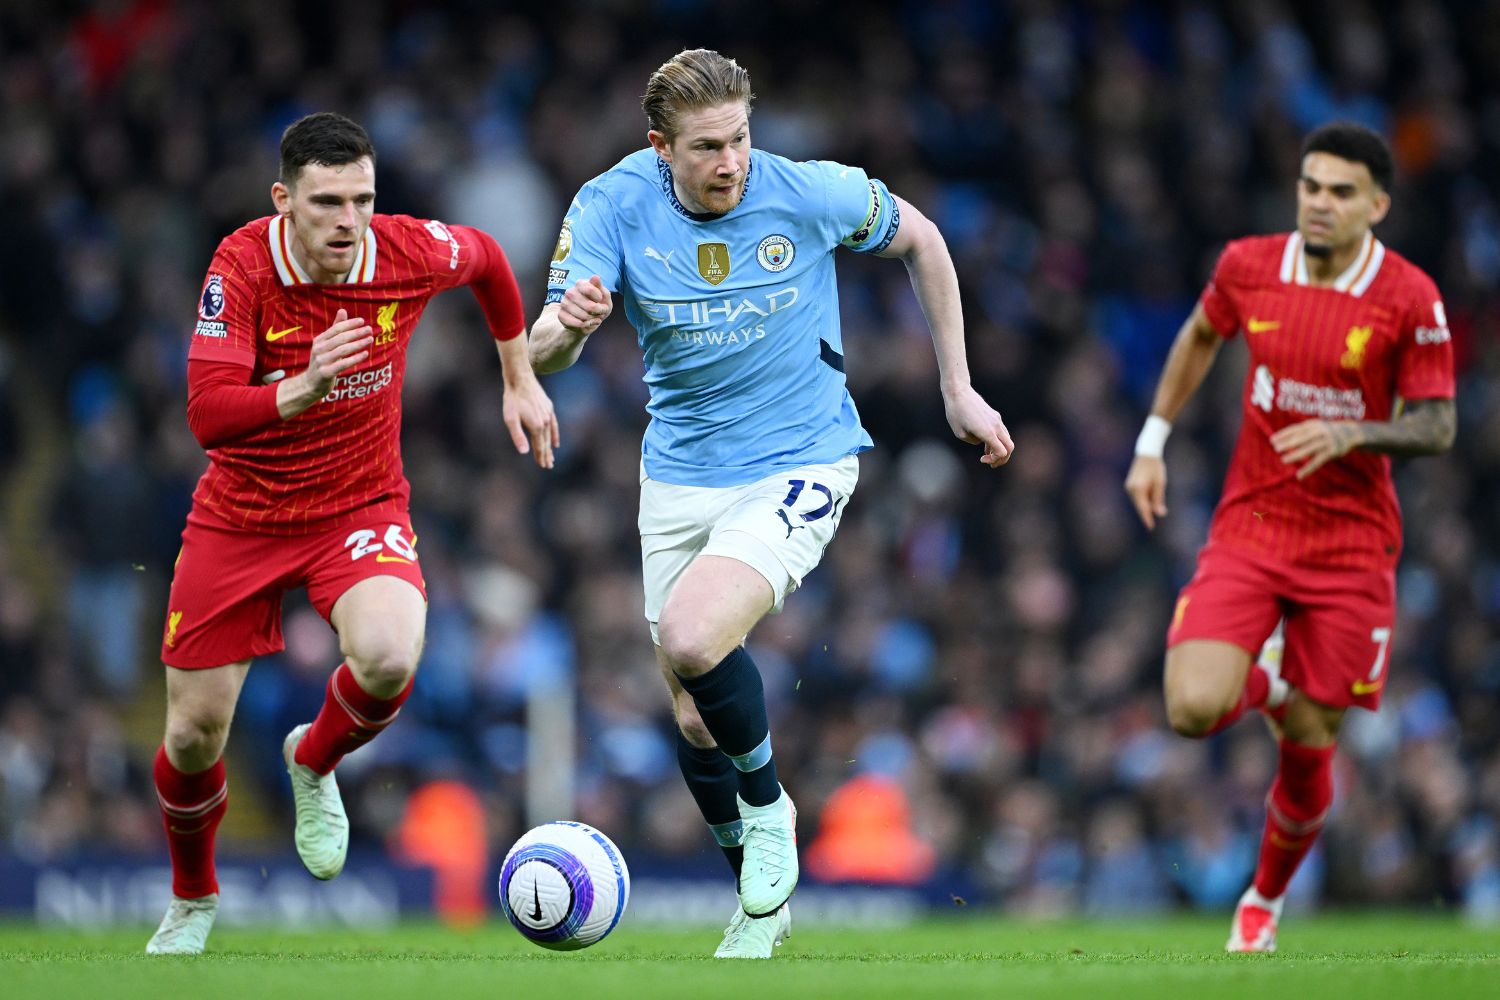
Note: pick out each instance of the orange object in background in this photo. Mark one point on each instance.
(444, 828)
(866, 836)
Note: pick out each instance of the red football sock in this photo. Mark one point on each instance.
(1295, 811)
(351, 717)
(1254, 694)
(191, 807)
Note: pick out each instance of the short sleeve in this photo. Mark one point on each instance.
(227, 312)
(1425, 363)
(864, 214)
(1217, 298)
(447, 251)
(586, 245)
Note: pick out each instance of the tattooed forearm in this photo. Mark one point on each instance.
(1425, 427)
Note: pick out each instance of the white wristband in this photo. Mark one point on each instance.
(1153, 439)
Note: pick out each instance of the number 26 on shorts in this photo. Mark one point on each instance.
(363, 543)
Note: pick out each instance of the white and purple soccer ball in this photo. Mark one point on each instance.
(564, 885)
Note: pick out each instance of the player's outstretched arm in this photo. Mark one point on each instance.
(558, 334)
(334, 351)
(1423, 427)
(1192, 354)
(526, 407)
(920, 245)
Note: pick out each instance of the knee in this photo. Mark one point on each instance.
(195, 739)
(384, 670)
(1193, 712)
(383, 663)
(690, 648)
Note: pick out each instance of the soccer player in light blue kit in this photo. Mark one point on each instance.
(724, 262)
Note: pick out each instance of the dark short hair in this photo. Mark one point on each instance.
(325, 138)
(1354, 143)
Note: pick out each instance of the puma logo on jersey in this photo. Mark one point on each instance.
(655, 254)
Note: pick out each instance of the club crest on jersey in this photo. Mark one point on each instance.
(385, 316)
(212, 302)
(1355, 343)
(775, 253)
(564, 242)
(713, 262)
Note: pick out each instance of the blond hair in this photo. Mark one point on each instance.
(693, 79)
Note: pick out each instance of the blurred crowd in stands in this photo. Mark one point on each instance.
(983, 647)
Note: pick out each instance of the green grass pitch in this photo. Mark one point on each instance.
(963, 956)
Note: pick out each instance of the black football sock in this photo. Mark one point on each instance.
(712, 780)
(732, 704)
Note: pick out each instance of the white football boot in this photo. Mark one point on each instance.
(755, 937)
(1269, 661)
(184, 930)
(1255, 920)
(322, 834)
(769, 871)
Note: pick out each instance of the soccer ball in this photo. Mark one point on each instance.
(564, 885)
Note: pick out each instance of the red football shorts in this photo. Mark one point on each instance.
(225, 603)
(1338, 622)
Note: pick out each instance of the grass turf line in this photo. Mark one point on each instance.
(1384, 955)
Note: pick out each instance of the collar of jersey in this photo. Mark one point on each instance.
(279, 238)
(665, 170)
(1355, 280)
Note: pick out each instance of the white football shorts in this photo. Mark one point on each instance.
(778, 526)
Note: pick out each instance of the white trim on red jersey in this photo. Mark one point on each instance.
(1355, 280)
(279, 240)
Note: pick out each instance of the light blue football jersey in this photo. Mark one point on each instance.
(737, 314)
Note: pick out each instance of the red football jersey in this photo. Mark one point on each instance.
(342, 455)
(1344, 352)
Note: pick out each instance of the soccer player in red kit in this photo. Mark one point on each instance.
(1350, 363)
(294, 389)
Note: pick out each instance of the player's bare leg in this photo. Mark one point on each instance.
(380, 622)
(193, 794)
(706, 617)
(1204, 682)
(1295, 811)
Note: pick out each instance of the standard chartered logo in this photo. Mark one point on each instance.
(357, 385)
(1325, 402)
